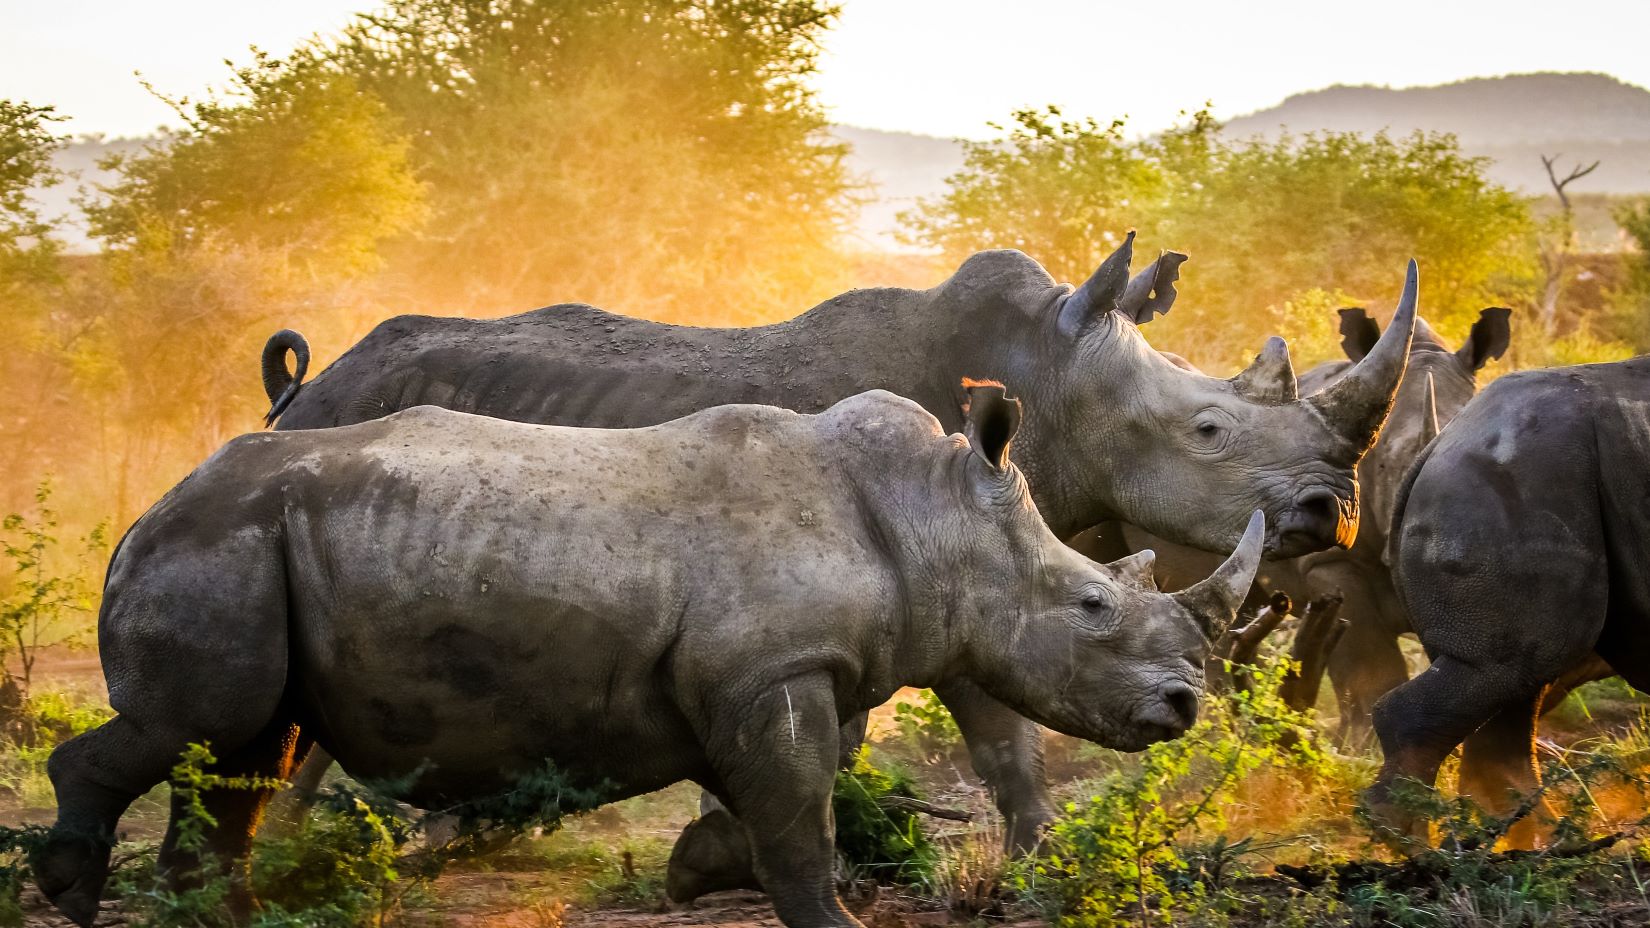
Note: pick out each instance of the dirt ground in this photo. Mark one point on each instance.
(558, 881)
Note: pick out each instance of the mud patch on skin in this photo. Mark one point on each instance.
(467, 660)
(405, 726)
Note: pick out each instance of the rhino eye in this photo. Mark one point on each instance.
(1092, 602)
(1208, 429)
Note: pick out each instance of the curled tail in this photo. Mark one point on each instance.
(282, 386)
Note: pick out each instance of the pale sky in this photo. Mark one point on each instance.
(943, 67)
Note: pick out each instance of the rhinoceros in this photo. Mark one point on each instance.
(1521, 549)
(1367, 661)
(453, 600)
(1112, 431)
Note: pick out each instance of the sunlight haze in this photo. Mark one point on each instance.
(942, 67)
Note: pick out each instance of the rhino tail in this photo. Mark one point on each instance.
(283, 386)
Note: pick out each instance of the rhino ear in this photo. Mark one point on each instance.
(993, 419)
(1359, 333)
(1151, 293)
(1488, 338)
(1101, 293)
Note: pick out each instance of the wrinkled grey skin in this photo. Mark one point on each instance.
(1438, 383)
(706, 600)
(1521, 550)
(1112, 429)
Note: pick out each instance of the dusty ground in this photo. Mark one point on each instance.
(573, 879)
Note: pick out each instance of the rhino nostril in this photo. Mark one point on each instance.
(1319, 505)
(1182, 699)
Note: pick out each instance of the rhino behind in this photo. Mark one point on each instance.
(1522, 543)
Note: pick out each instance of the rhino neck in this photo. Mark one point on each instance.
(919, 527)
(1070, 460)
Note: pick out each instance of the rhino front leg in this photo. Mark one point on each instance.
(776, 755)
(712, 855)
(1006, 749)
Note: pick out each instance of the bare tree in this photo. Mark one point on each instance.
(1555, 251)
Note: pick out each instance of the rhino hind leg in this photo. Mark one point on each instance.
(1421, 722)
(1499, 769)
(236, 811)
(96, 776)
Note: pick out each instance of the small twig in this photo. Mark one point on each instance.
(908, 804)
(1320, 631)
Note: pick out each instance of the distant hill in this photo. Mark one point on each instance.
(1513, 119)
(900, 167)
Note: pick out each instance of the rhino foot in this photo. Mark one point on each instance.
(712, 855)
(70, 871)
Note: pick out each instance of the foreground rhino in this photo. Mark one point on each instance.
(1112, 430)
(1521, 550)
(702, 600)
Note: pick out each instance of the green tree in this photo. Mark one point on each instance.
(27, 144)
(1062, 190)
(1272, 225)
(270, 202)
(1630, 320)
(291, 159)
(662, 157)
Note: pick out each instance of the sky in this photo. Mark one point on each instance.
(942, 67)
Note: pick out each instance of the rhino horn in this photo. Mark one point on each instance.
(1429, 413)
(1356, 406)
(1214, 602)
(1137, 569)
(1151, 293)
(1270, 378)
(1101, 293)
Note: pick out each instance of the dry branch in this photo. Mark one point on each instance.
(1320, 630)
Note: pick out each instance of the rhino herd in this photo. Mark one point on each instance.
(645, 553)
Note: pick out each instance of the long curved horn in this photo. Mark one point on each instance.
(1429, 413)
(1214, 602)
(1357, 405)
(1270, 378)
(281, 386)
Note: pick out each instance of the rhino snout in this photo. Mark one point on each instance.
(1172, 708)
(1318, 519)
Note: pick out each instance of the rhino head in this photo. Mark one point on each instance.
(1091, 650)
(1121, 432)
(1440, 382)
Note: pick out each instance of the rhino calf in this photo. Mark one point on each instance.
(704, 599)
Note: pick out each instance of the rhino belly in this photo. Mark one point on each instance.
(475, 699)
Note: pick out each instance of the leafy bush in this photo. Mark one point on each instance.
(1120, 854)
(40, 607)
(877, 834)
(927, 726)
